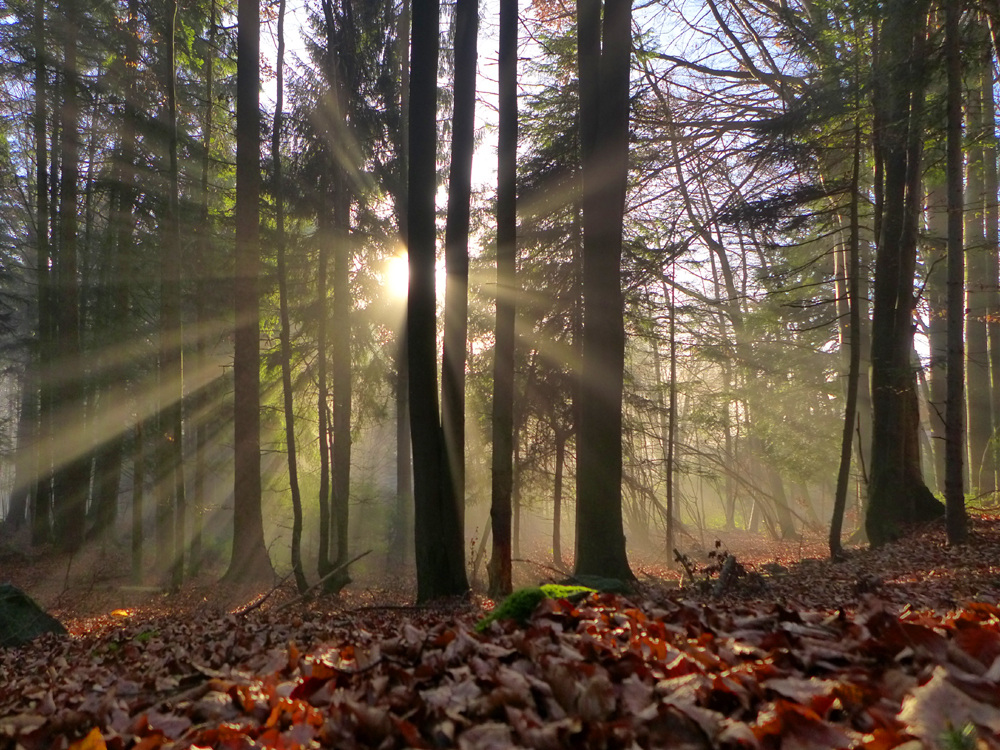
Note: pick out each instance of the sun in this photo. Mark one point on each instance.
(396, 276)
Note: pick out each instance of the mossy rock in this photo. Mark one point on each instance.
(520, 605)
(21, 619)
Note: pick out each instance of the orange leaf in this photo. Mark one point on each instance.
(93, 741)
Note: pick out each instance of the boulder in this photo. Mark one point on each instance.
(21, 619)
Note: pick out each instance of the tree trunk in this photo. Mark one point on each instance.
(403, 527)
(324, 565)
(936, 293)
(854, 343)
(992, 253)
(24, 449)
(557, 494)
(138, 500)
(169, 451)
(897, 493)
(501, 507)
(285, 334)
(977, 289)
(438, 537)
(202, 403)
(73, 479)
(604, 50)
(456, 248)
(340, 352)
(249, 559)
(955, 406)
(41, 498)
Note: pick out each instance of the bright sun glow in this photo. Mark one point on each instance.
(396, 276)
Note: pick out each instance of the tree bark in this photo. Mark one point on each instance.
(456, 248)
(438, 537)
(501, 504)
(977, 287)
(992, 252)
(170, 447)
(73, 479)
(955, 406)
(897, 494)
(202, 403)
(854, 344)
(249, 559)
(604, 54)
(42, 497)
(286, 343)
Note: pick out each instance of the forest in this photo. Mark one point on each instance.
(619, 277)
(325, 326)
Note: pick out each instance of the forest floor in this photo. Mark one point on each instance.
(898, 647)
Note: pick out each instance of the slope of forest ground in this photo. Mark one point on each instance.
(898, 647)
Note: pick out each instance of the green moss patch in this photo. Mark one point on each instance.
(520, 605)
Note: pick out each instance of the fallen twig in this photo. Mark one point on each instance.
(305, 594)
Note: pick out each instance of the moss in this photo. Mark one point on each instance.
(520, 605)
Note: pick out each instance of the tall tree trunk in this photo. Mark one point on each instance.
(202, 402)
(557, 494)
(897, 493)
(73, 479)
(604, 50)
(501, 508)
(249, 558)
(977, 287)
(170, 500)
(456, 248)
(138, 499)
(992, 252)
(285, 334)
(936, 294)
(42, 496)
(438, 537)
(24, 452)
(109, 460)
(853, 273)
(340, 351)
(324, 565)
(953, 486)
(403, 528)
